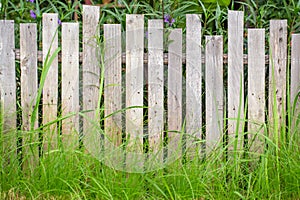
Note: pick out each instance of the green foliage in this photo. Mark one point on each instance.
(258, 13)
(20, 10)
(65, 174)
(76, 175)
(220, 2)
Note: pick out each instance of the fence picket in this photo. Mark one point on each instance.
(70, 84)
(295, 75)
(155, 87)
(90, 76)
(113, 94)
(113, 83)
(8, 90)
(134, 80)
(235, 79)
(214, 91)
(193, 83)
(50, 90)
(29, 84)
(256, 89)
(145, 75)
(175, 94)
(277, 75)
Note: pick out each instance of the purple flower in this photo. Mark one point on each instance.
(166, 18)
(31, 1)
(169, 20)
(59, 22)
(32, 14)
(172, 22)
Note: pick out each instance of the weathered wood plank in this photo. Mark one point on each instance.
(277, 76)
(175, 94)
(225, 58)
(50, 90)
(113, 83)
(235, 80)
(155, 88)
(29, 84)
(8, 91)
(113, 95)
(214, 91)
(134, 80)
(90, 77)
(295, 76)
(256, 89)
(193, 83)
(70, 84)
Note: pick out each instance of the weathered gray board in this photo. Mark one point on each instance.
(155, 88)
(70, 84)
(134, 80)
(29, 84)
(91, 78)
(235, 79)
(175, 95)
(50, 89)
(193, 83)
(113, 83)
(295, 77)
(256, 89)
(277, 76)
(214, 91)
(8, 91)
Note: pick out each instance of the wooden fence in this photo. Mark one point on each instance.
(181, 85)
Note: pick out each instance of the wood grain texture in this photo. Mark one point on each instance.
(235, 79)
(8, 91)
(29, 84)
(175, 94)
(50, 90)
(256, 89)
(277, 76)
(113, 83)
(193, 83)
(295, 77)
(70, 84)
(134, 80)
(214, 91)
(155, 88)
(225, 58)
(90, 76)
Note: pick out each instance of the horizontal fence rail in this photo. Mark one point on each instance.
(139, 111)
(145, 57)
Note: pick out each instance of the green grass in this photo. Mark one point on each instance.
(75, 174)
(64, 174)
